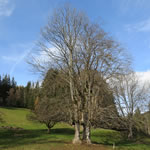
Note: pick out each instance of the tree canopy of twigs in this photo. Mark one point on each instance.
(86, 55)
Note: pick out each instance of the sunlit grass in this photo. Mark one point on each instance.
(16, 117)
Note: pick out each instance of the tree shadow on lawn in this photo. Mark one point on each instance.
(10, 108)
(110, 138)
(10, 138)
(64, 131)
(14, 138)
(105, 137)
(141, 139)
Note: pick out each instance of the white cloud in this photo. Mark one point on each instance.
(144, 76)
(143, 26)
(6, 8)
(10, 58)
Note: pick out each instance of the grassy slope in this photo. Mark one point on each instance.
(16, 117)
(35, 137)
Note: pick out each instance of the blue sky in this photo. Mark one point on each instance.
(128, 21)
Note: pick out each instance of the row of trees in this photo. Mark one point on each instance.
(5, 85)
(94, 69)
(17, 96)
(21, 96)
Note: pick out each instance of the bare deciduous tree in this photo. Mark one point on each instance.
(129, 94)
(86, 55)
(49, 111)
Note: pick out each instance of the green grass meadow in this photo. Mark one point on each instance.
(34, 136)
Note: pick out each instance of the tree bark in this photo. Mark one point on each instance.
(88, 134)
(76, 139)
(84, 133)
(48, 130)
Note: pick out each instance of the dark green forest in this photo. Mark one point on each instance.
(12, 95)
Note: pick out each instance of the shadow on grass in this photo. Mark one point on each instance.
(113, 137)
(106, 137)
(9, 138)
(11, 108)
(137, 140)
(64, 131)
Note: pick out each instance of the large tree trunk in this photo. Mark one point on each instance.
(86, 135)
(48, 130)
(76, 139)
